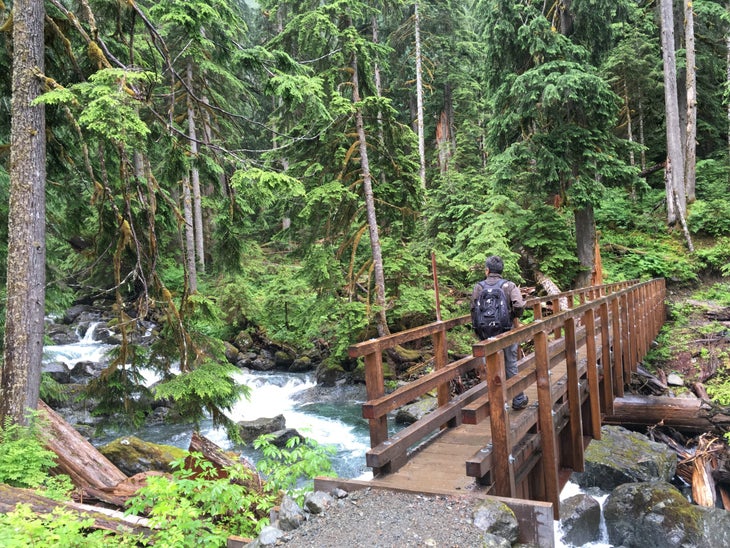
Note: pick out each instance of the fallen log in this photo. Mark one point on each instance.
(108, 520)
(686, 415)
(77, 458)
(220, 460)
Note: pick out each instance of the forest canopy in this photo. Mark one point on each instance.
(291, 166)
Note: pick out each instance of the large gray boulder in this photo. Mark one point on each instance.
(250, 430)
(622, 456)
(412, 412)
(656, 514)
(580, 520)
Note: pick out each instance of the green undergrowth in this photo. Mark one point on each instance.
(693, 344)
(193, 506)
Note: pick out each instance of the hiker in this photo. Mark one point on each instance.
(495, 304)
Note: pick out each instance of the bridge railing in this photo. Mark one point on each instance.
(388, 453)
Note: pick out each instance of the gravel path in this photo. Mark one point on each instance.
(375, 518)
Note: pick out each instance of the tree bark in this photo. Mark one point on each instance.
(690, 145)
(382, 323)
(26, 262)
(675, 154)
(585, 235)
(77, 458)
(419, 98)
(189, 237)
(108, 520)
(195, 178)
(682, 414)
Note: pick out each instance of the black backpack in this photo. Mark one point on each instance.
(491, 311)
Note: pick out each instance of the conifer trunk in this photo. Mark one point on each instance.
(419, 99)
(691, 139)
(26, 278)
(382, 323)
(195, 179)
(675, 155)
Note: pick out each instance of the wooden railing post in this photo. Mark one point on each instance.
(375, 388)
(440, 360)
(617, 343)
(502, 460)
(606, 364)
(574, 400)
(625, 339)
(589, 320)
(545, 419)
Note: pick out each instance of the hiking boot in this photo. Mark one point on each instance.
(517, 405)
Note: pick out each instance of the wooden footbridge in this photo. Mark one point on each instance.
(578, 355)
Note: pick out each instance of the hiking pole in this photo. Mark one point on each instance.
(436, 286)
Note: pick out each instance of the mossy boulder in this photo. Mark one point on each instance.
(622, 456)
(657, 514)
(133, 455)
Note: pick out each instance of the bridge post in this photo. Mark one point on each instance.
(606, 359)
(574, 400)
(502, 460)
(589, 320)
(625, 339)
(375, 388)
(440, 360)
(545, 419)
(618, 372)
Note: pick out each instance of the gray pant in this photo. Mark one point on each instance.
(510, 369)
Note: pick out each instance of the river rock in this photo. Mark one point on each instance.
(283, 359)
(291, 515)
(61, 334)
(317, 502)
(230, 351)
(301, 365)
(73, 312)
(133, 455)
(656, 514)
(622, 456)
(58, 372)
(250, 430)
(496, 518)
(580, 520)
(408, 414)
(281, 437)
(243, 341)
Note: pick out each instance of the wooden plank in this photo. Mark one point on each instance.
(390, 449)
(382, 404)
(625, 339)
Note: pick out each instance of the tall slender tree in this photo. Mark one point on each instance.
(21, 368)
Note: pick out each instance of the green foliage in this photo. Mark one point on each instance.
(204, 508)
(710, 214)
(720, 391)
(209, 387)
(719, 293)
(109, 106)
(716, 258)
(22, 527)
(24, 461)
(293, 467)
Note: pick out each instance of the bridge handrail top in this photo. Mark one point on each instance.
(389, 341)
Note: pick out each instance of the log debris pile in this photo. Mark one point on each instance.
(703, 464)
